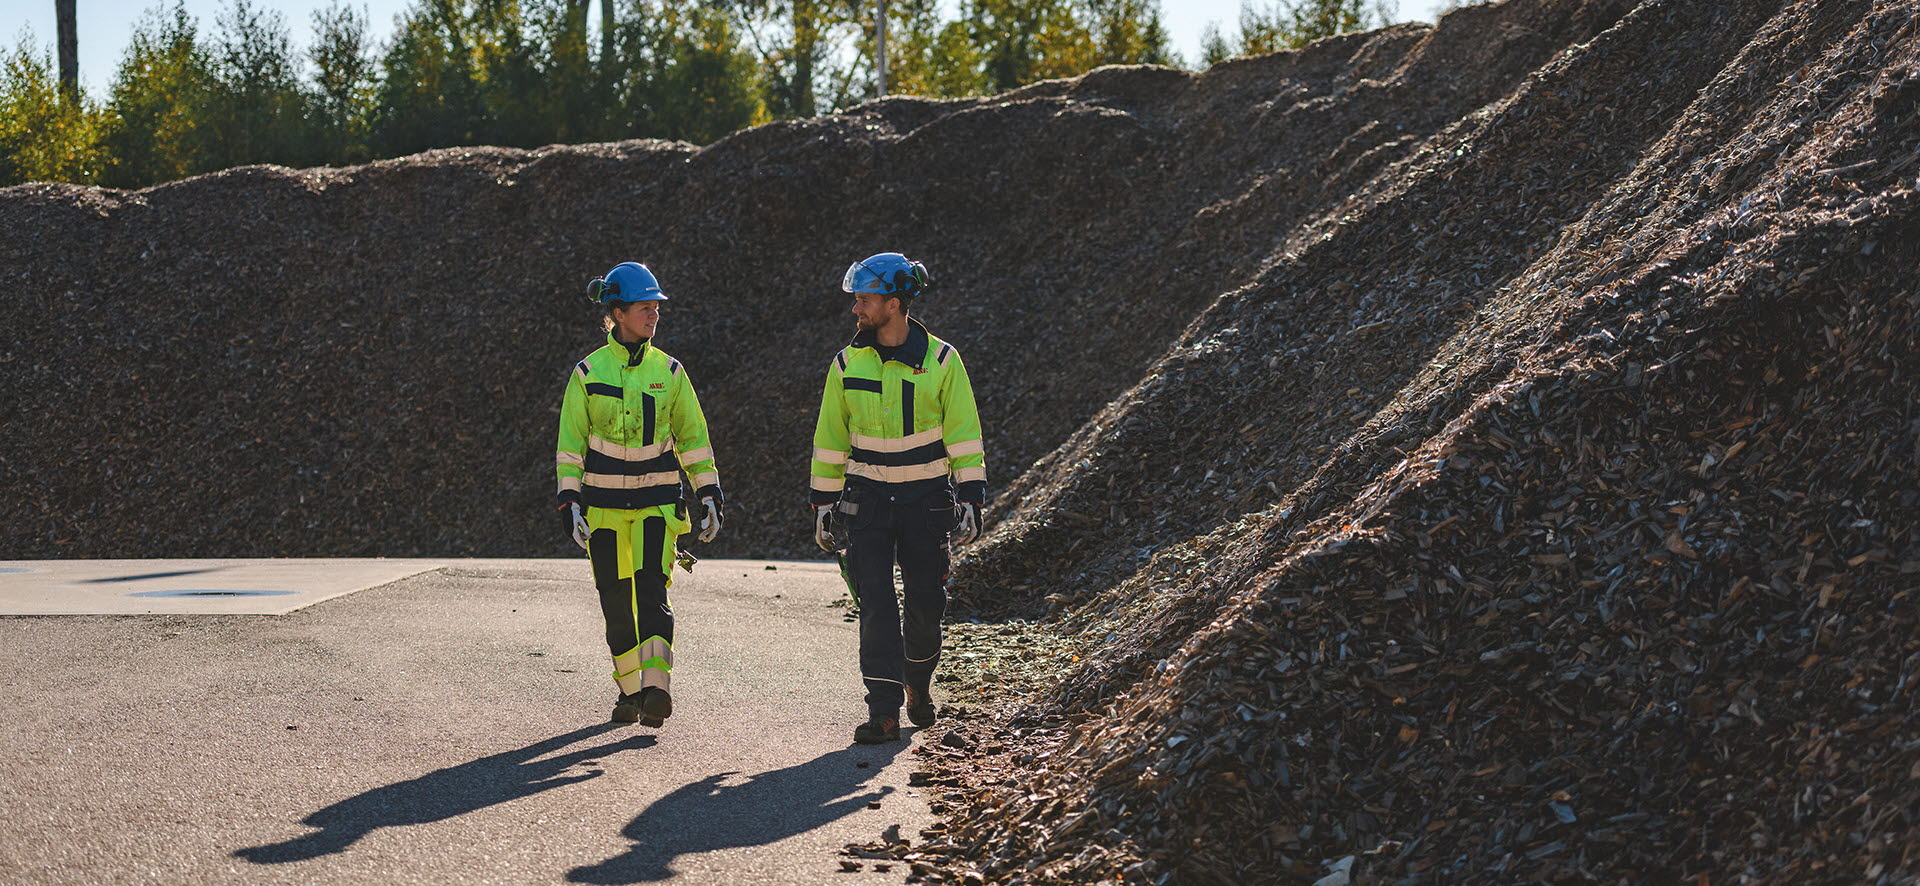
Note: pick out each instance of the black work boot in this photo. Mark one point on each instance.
(920, 706)
(877, 730)
(655, 705)
(626, 708)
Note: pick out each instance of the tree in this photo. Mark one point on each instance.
(341, 100)
(800, 44)
(1291, 24)
(1214, 48)
(160, 92)
(255, 113)
(928, 56)
(1128, 32)
(428, 96)
(44, 136)
(707, 87)
(573, 101)
(682, 73)
(66, 21)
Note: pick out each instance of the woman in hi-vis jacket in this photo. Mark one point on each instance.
(629, 425)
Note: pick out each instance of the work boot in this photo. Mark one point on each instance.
(920, 706)
(877, 730)
(626, 708)
(656, 706)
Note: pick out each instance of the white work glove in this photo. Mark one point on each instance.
(710, 522)
(969, 528)
(823, 530)
(580, 531)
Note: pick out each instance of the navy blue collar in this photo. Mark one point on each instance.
(912, 352)
(636, 352)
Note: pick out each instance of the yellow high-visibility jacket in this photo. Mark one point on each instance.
(630, 422)
(908, 423)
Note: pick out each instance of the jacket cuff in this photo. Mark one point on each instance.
(711, 489)
(972, 492)
(567, 497)
(816, 497)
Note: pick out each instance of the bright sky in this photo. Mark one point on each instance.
(106, 25)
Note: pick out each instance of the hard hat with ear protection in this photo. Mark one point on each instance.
(628, 282)
(888, 273)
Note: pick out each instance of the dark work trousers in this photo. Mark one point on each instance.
(896, 653)
(634, 605)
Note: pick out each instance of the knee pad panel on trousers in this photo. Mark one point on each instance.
(653, 546)
(603, 551)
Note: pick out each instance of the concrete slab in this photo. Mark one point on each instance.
(191, 587)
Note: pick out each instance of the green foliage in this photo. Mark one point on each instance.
(429, 93)
(706, 87)
(1291, 24)
(255, 112)
(525, 73)
(928, 56)
(342, 99)
(802, 46)
(995, 45)
(163, 89)
(1214, 48)
(42, 136)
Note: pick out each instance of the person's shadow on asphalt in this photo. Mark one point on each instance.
(445, 793)
(707, 815)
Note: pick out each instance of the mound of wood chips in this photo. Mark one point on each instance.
(1547, 514)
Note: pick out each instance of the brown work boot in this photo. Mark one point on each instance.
(877, 730)
(626, 708)
(920, 707)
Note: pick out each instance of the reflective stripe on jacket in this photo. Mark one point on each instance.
(629, 424)
(907, 422)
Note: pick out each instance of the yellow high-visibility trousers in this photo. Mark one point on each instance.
(632, 554)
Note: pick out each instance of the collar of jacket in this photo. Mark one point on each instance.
(912, 352)
(635, 353)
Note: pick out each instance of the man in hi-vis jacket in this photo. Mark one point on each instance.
(898, 466)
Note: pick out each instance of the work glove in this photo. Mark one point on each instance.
(823, 528)
(576, 525)
(968, 527)
(709, 522)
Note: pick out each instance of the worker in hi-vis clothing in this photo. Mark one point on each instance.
(629, 425)
(898, 468)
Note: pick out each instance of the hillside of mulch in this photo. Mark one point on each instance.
(1545, 512)
(369, 361)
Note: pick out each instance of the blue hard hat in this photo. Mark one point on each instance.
(888, 273)
(629, 281)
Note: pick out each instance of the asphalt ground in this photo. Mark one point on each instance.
(448, 727)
